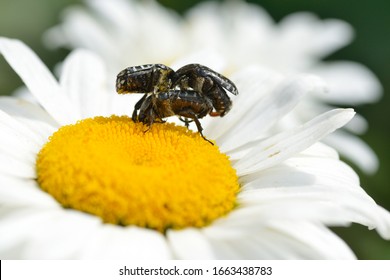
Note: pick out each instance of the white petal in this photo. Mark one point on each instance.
(205, 56)
(118, 13)
(349, 83)
(349, 145)
(315, 241)
(254, 83)
(268, 110)
(311, 108)
(305, 170)
(31, 233)
(19, 146)
(122, 104)
(158, 22)
(189, 244)
(99, 32)
(320, 150)
(277, 240)
(309, 36)
(13, 127)
(283, 145)
(23, 93)
(358, 125)
(202, 21)
(233, 29)
(113, 242)
(15, 167)
(332, 206)
(80, 29)
(355, 150)
(31, 115)
(83, 80)
(21, 192)
(38, 79)
(318, 189)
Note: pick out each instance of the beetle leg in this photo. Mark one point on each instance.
(138, 106)
(186, 121)
(145, 111)
(200, 128)
(187, 112)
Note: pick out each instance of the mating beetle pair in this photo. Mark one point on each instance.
(192, 92)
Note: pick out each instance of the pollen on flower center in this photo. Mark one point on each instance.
(165, 177)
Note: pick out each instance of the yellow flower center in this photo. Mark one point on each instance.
(128, 174)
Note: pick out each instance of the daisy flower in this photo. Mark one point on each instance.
(227, 36)
(78, 182)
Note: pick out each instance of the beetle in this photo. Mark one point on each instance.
(209, 83)
(192, 92)
(148, 78)
(188, 104)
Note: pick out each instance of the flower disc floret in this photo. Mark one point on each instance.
(126, 173)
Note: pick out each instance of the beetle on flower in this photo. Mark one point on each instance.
(191, 92)
(79, 182)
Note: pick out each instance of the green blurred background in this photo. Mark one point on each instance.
(27, 20)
